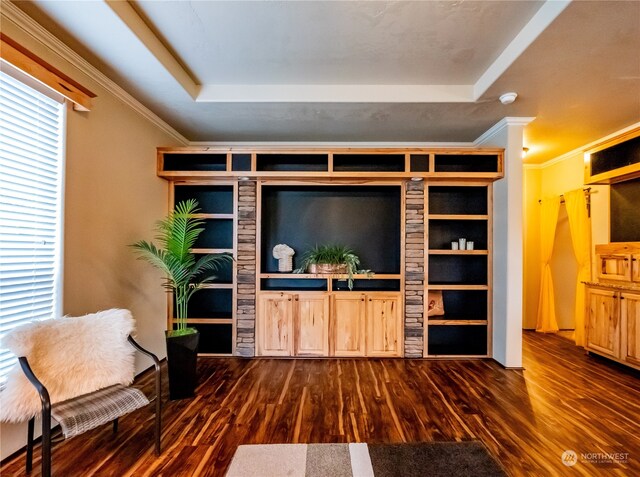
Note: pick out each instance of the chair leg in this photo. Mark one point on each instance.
(30, 426)
(46, 442)
(115, 425)
(158, 403)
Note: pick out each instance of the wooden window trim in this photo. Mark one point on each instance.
(40, 70)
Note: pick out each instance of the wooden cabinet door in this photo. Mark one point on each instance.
(630, 305)
(384, 325)
(614, 267)
(275, 324)
(603, 322)
(311, 316)
(635, 267)
(348, 325)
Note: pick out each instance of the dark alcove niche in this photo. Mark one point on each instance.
(625, 211)
(364, 218)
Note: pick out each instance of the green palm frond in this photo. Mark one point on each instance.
(185, 274)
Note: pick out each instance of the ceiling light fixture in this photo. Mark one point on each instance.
(243, 178)
(416, 179)
(525, 151)
(508, 98)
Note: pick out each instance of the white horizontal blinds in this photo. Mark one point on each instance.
(31, 145)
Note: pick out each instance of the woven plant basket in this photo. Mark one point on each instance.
(327, 268)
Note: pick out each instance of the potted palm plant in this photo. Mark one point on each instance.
(333, 260)
(185, 275)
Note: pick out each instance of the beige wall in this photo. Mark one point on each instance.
(112, 199)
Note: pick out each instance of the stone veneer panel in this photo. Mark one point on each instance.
(246, 270)
(414, 270)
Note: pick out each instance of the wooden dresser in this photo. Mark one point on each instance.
(613, 304)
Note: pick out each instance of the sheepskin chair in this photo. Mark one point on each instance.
(76, 370)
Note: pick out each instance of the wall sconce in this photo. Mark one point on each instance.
(525, 151)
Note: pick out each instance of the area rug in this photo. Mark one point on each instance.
(446, 459)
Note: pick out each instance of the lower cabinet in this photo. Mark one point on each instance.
(341, 324)
(603, 325)
(613, 324)
(630, 307)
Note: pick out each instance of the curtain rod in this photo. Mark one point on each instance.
(587, 192)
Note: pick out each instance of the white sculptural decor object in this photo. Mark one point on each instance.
(283, 253)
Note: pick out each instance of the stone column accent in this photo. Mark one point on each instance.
(414, 251)
(246, 270)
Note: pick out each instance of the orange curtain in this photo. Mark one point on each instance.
(580, 226)
(547, 322)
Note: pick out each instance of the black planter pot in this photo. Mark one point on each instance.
(182, 359)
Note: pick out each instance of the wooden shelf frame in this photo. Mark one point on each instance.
(329, 154)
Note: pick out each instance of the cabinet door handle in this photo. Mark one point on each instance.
(288, 299)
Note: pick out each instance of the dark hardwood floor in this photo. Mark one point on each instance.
(563, 400)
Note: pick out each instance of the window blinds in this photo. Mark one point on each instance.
(31, 158)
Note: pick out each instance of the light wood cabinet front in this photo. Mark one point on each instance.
(312, 324)
(348, 325)
(614, 267)
(635, 267)
(630, 304)
(603, 325)
(275, 324)
(384, 325)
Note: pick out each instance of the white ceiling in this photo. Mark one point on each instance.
(366, 71)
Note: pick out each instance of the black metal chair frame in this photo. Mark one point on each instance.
(46, 411)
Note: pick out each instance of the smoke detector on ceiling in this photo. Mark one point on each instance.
(508, 98)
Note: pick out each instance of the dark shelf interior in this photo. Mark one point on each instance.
(458, 269)
(469, 340)
(470, 200)
(621, 155)
(463, 305)
(443, 232)
(368, 162)
(224, 274)
(305, 216)
(214, 338)
(419, 162)
(625, 211)
(241, 162)
(195, 162)
(293, 284)
(210, 303)
(367, 284)
(466, 163)
(211, 199)
(218, 233)
(292, 162)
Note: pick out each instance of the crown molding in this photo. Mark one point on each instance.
(24, 22)
(307, 144)
(500, 125)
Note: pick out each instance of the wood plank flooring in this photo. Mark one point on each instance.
(563, 400)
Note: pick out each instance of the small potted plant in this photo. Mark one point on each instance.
(185, 275)
(333, 260)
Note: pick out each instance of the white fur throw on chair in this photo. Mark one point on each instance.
(70, 356)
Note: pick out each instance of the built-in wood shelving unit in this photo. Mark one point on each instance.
(286, 191)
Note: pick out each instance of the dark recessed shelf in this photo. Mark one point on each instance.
(457, 340)
(195, 162)
(211, 199)
(211, 303)
(367, 284)
(214, 338)
(463, 200)
(292, 162)
(224, 274)
(368, 162)
(293, 284)
(620, 155)
(241, 162)
(443, 232)
(458, 269)
(464, 305)
(303, 216)
(218, 233)
(419, 162)
(466, 163)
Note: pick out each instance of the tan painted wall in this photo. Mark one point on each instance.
(112, 199)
